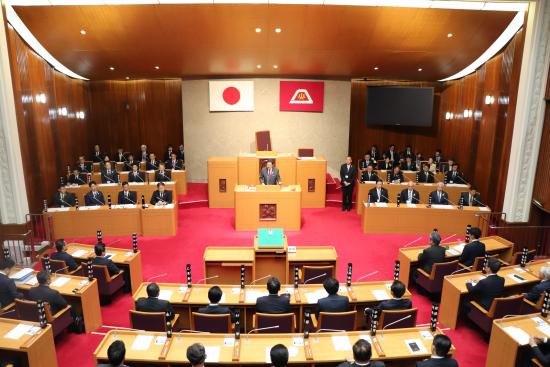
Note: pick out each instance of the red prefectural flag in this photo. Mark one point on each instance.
(301, 96)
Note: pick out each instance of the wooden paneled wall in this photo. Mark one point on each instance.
(130, 113)
(49, 138)
(481, 143)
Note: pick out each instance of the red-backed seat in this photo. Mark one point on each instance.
(211, 323)
(285, 322)
(389, 316)
(107, 284)
(499, 308)
(345, 321)
(28, 310)
(150, 321)
(433, 282)
(316, 274)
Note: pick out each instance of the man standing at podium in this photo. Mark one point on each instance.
(269, 175)
(348, 173)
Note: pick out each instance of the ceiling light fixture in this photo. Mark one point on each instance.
(259, 66)
(275, 66)
(376, 68)
(419, 69)
(82, 32)
(258, 30)
(111, 68)
(449, 35)
(127, 78)
(278, 30)
(157, 67)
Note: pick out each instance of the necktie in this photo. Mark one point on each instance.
(269, 172)
(439, 196)
(454, 174)
(62, 196)
(379, 195)
(410, 195)
(471, 200)
(93, 192)
(126, 193)
(109, 172)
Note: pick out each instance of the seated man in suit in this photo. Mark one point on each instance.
(439, 196)
(540, 349)
(433, 254)
(396, 176)
(126, 196)
(407, 153)
(378, 194)
(426, 176)
(534, 294)
(77, 178)
(8, 290)
(397, 302)
(273, 303)
(278, 355)
(129, 163)
(108, 174)
(43, 292)
(365, 162)
(269, 175)
(386, 165)
(333, 302)
(440, 353)
(369, 174)
(438, 158)
(116, 354)
(409, 195)
(168, 153)
(97, 155)
(101, 259)
(214, 296)
(471, 198)
(119, 156)
(473, 249)
(83, 166)
(62, 198)
(153, 163)
(161, 196)
(408, 165)
(153, 304)
(174, 163)
(455, 177)
(143, 154)
(489, 288)
(362, 353)
(94, 197)
(392, 154)
(181, 153)
(136, 175)
(196, 355)
(62, 255)
(162, 175)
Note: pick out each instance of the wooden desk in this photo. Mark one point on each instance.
(503, 348)
(311, 256)
(535, 266)
(311, 175)
(33, 350)
(408, 257)
(123, 258)
(420, 219)
(222, 179)
(145, 189)
(285, 204)
(409, 175)
(179, 177)
(79, 292)
(424, 191)
(454, 287)
(254, 349)
(159, 220)
(225, 263)
(249, 167)
(184, 300)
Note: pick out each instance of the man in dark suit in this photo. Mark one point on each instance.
(83, 166)
(196, 355)
(279, 355)
(489, 288)
(108, 174)
(181, 153)
(369, 174)
(100, 259)
(374, 154)
(392, 154)
(130, 161)
(534, 294)
(386, 165)
(77, 178)
(273, 303)
(162, 175)
(126, 196)
(439, 196)
(269, 175)
(397, 302)
(94, 197)
(8, 290)
(455, 177)
(119, 155)
(438, 158)
(362, 353)
(115, 354)
(143, 154)
(426, 176)
(152, 163)
(136, 175)
(62, 255)
(153, 304)
(378, 194)
(214, 296)
(473, 249)
(408, 165)
(174, 163)
(97, 155)
(365, 162)
(433, 254)
(409, 195)
(161, 196)
(348, 175)
(43, 292)
(168, 153)
(471, 198)
(62, 198)
(440, 353)
(333, 302)
(396, 176)
(407, 153)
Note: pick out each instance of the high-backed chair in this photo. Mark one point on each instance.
(107, 284)
(389, 316)
(285, 322)
(346, 321)
(528, 307)
(499, 308)
(433, 282)
(478, 263)
(60, 267)
(211, 323)
(316, 274)
(149, 321)
(8, 311)
(516, 258)
(536, 362)
(28, 310)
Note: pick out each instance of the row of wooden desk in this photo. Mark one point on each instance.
(179, 178)
(119, 221)
(407, 175)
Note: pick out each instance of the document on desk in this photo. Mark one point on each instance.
(411, 205)
(142, 342)
(313, 297)
(341, 342)
(53, 210)
(516, 278)
(212, 354)
(416, 346)
(441, 206)
(380, 294)
(81, 253)
(32, 281)
(381, 205)
(18, 331)
(520, 336)
(59, 282)
(165, 294)
(545, 329)
(252, 296)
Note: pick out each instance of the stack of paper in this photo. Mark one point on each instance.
(441, 206)
(212, 354)
(520, 336)
(380, 294)
(81, 253)
(59, 282)
(53, 210)
(165, 294)
(142, 342)
(21, 274)
(313, 297)
(18, 331)
(381, 205)
(341, 342)
(252, 296)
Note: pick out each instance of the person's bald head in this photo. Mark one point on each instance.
(440, 186)
(410, 185)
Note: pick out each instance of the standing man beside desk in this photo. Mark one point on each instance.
(409, 195)
(126, 196)
(62, 255)
(433, 254)
(473, 249)
(378, 194)
(8, 290)
(439, 197)
(333, 302)
(348, 174)
(273, 303)
(269, 175)
(486, 290)
(94, 197)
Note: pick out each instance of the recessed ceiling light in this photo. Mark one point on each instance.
(157, 67)
(258, 30)
(376, 68)
(111, 68)
(278, 30)
(127, 77)
(82, 31)
(449, 35)
(275, 66)
(419, 69)
(259, 66)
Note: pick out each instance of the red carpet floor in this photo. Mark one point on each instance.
(200, 227)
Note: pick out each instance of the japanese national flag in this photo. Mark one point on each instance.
(231, 95)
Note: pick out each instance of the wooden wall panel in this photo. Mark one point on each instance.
(135, 112)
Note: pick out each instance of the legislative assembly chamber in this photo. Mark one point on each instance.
(351, 183)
